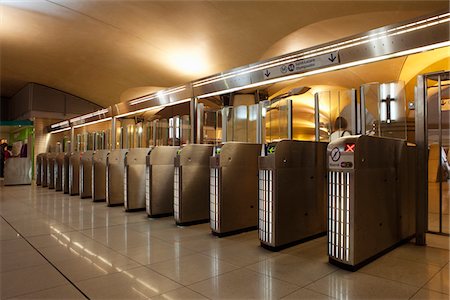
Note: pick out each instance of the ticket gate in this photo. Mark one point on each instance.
(65, 173)
(134, 181)
(191, 179)
(39, 158)
(44, 170)
(292, 193)
(86, 174)
(234, 188)
(115, 172)
(74, 173)
(159, 176)
(51, 157)
(58, 170)
(99, 175)
(371, 198)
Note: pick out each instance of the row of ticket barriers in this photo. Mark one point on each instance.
(359, 190)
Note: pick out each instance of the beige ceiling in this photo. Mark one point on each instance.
(106, 51)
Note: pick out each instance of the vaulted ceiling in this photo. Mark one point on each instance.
(105, 51)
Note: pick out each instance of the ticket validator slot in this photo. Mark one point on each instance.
(134, 179)
(371, 198)
(234, 188)
(191, 181)
(159, 177)
(58, 171)
(39, 159)
(292, 193)
(44, 170)
(86, 174)
(74, 173)
(115, 172)
(99, 175)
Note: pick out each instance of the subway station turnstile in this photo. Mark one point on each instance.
(292, 193)
(65, 173)
(74, 173)
(86, 174)
(99, 175)
(58, 170)
(44, 170)
(39, 159)
(159, 181)
(371, 202)
(115, 172)
(134, 179)
(234, 188)
(51, 157)
(191, 181)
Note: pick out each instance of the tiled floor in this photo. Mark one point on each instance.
(59, 247)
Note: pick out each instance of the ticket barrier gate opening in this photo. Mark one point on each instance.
(191, 179)
(292, 193)
(58, 169)
(65, 173)
(51, 157)
(134, 181)
(44, 170)
(159, 175)
(39, 159)
(86, 174)
(74, 173)
(115, 172)
(99, 175)
(371, 198)
(234, 188)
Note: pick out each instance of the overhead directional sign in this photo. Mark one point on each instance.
(302, 65)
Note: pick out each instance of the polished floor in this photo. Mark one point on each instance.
(55, 246)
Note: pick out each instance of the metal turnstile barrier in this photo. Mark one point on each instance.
(44, 170)
(86, 174)
(371, 201)
(39, 159)
(234, 188)
(58, 170)
(134, 181)
(74, 173)
(191, 180)
(65, 173)
(115, 172)
(51, 157)
(99, 175)
(159, 177)
(292, 193)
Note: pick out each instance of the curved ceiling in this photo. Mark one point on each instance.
(100, 49)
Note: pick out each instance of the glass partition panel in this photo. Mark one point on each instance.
(185, 129)
(303, 126)
(278, 120)
(162, 138)
(252, 124)
(240, 116)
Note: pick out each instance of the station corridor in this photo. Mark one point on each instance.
(55, 246)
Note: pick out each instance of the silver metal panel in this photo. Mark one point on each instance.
(74, 173)
(99, 175)
(44, 170)
(86, 174)
(39, 158)
(58, 169)
(51, 170)
(134, 181)
(292, 192)
(115, 171)
(159, 180)
(65, 173)
(17, 171)
(191, 181)
(234, 188)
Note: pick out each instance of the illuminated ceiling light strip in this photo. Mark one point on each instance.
(60, 124)
(329, 69)
(158, 94)
(152, 108)
(350, 43)
(93, 122)
(60, 130)
(90, 115)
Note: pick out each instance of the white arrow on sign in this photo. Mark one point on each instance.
(302, 65)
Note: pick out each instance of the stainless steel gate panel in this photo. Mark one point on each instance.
(134, 179)
(115, 172)
(44, 170)
(191, 181)
(39, 158)
(159, 181)
(369, 208)
(74, 173)
(51, 157)
(234, 188)
(292, 193)
(58, 169)
(65, 173)
(99, 175)
(86, 174)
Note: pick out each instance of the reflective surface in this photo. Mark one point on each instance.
(108, 253)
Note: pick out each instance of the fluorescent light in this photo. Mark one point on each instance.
(93, 122)
(329, 69)
(151, 108)
(90, 115)
(158, 95)
(60, 130)
(60, 124)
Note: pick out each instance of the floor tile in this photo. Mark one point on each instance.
(14, 245)
(425, 294)
(192, 268)
(440, 282)
(305, 294)
(412, 252)
(243, 284)
(66, 292)
(21, 259)
(181, 293)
